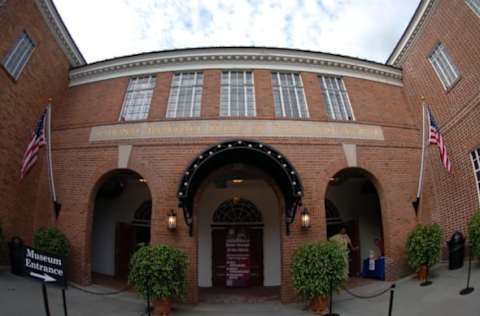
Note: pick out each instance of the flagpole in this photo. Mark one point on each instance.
(56, 205)
(420, 178)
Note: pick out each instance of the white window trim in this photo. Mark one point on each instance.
(122, 111)
(246, 85)
(472, 6)
(282, 98)
(11, 53)
(179, 88)
(444, 64)
(345, 106)
(477, 183)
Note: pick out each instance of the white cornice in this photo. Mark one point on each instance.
(418, 20)
(235, 58)
(60, 32)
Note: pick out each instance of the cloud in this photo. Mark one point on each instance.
(360, 28)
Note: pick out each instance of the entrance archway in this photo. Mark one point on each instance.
(121, 222)
(239, 217)
(352, 201)
(220, 177)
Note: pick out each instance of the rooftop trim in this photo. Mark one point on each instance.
(57, 27)
(421, 14)
(235, 58)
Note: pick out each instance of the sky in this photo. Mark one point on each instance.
(368, 29)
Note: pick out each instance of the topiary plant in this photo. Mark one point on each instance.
(161, 270)
(424, 246)
(315, 266)
(474, 233)
(51, 240)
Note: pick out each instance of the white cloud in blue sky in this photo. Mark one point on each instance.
(360, 28)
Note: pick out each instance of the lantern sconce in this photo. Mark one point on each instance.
(172, 220)
(305, 219)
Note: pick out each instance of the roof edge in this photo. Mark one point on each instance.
(234, 58)
(55, 23)
(418, 19)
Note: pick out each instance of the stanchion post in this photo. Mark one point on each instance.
(426, 282)
(331, 313)
(390, 305)
(45, 299)
(148, 299)
(468, 289)
(64, 302)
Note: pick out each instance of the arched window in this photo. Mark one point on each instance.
(143, 214)
(237, 211)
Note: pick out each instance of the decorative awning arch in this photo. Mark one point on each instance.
(248, 152)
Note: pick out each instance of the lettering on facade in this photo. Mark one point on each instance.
(235, 128)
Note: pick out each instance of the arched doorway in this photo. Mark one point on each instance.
(352, 202)
(121, 223)
(237, 178)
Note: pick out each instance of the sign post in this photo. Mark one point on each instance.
(47, 268)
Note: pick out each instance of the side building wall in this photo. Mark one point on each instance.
(448, 199)
(22, 102)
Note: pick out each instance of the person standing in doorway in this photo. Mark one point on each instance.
(345, 242)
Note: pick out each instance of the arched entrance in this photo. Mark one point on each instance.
(352, 201)
(236, 196)
(121, 222)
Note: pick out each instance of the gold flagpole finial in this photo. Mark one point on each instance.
(422, 98)
(50, 100)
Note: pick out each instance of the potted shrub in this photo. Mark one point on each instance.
(424, 248)
(51, 240)
(159, 272)
(474, 233)
(315, 268)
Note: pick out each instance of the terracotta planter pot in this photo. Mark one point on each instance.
(318, 304)
(422, 273)
(162, 307)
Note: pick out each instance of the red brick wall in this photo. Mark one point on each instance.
(449, 199)
(22, 102)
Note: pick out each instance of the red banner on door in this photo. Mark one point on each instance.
(237, 261)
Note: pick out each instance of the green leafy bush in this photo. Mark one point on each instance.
(474, 233)
(51, 240)
(160, 268)
(315, 266)
(424, 245)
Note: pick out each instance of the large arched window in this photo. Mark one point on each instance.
(237, 211)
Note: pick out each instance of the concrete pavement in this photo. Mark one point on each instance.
(21, 296)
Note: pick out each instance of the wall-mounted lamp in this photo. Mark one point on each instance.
(172, 220)
(305, 219)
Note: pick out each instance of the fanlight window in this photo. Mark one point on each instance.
(237, 211)
(143, 214)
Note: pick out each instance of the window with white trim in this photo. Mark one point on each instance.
(237, 96)
(288, 95)
(18, 56)
(475, 5)
(185, 95)
(336, 98)
(136, 103)
(446, 70)
(475, 156)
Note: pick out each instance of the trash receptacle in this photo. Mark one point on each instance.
(16, 255)
(456, 251)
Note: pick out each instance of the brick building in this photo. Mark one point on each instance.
(238, 142)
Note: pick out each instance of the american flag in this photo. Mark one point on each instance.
(38, 140)
(435, 137)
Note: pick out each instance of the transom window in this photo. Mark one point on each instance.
(237, 211)
(185, 95)
(136, 103)
(336, 98)
(289, 96)
(446, 70)
(475, 156)
(17, 57)
(237, 97)
(475, 5)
